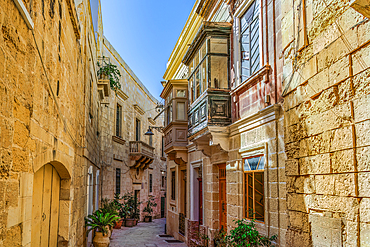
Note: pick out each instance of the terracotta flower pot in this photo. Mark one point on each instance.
(100, 240)
(130, 222)
(118, 224)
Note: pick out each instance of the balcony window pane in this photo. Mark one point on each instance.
(170, 113)
(202, 69)
(180, 111)
(197, 84)
(219, 46)
(219, 73)
(191, 92)
(191, 67)
(203, 50)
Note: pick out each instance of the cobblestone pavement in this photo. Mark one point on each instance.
(142, 235)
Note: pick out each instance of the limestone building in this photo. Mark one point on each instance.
(60, 151)
(131, 160)
(326, 103)
(228, 54)
(48, 156)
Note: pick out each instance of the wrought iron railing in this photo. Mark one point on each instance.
(182, 224)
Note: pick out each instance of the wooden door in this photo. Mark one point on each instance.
(45, 207)
(222, 197)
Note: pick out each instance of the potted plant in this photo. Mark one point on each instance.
(100, 222)
(119, 207)
(149, 209)
(131, 205)
(246, 234)
(109, 206)
(111, 72)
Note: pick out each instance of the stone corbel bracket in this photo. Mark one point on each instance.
(219, 137)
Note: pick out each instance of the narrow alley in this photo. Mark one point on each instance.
(149, 234)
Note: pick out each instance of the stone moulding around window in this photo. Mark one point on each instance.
(253, 78)
(121, 94)
(253, 150)
(139, 109)
(118, 140)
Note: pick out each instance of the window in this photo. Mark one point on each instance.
(180, 111)
(173, 185)
(118, 121)
(254, 188)
(150, 183)
(209, 69)
(138, 129)
(118, 181)
(249, 42)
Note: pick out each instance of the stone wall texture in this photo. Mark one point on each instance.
(116, 155)
(326, 103)
(40, 118)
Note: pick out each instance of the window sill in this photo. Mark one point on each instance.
(263, 71)
(118, 140)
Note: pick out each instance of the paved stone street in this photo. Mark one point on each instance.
(142, 235)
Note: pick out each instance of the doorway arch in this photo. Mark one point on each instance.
(45, 207)
(50, 200)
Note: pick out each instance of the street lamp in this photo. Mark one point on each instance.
(150, 133)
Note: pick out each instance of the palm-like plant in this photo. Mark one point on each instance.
(99, 221)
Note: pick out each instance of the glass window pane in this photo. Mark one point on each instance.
(219, 46)
(203, 50)
(258, 196)
(191, 67)
(170, 113)
(180, 111)
(197, 84)
(191, 90)
(219, 73)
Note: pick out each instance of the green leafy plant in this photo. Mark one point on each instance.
(112, 72)
(204, 239)
(149, 205)
(219, 238)
(99, 221)
(109, 206)
(131, 204)
(246, 235)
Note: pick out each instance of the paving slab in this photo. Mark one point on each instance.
(142, 235)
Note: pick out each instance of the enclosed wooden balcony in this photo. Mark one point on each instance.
(141, 154)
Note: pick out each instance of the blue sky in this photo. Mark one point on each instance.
(144, 32)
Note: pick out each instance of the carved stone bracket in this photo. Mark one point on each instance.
(180, 157)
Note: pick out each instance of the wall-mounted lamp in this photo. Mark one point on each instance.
(150, 133)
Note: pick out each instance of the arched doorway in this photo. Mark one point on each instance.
(45, 207)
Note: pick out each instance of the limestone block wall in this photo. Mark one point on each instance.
(116, 155)
(41, 120)
(327, 123)
(259, 136)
